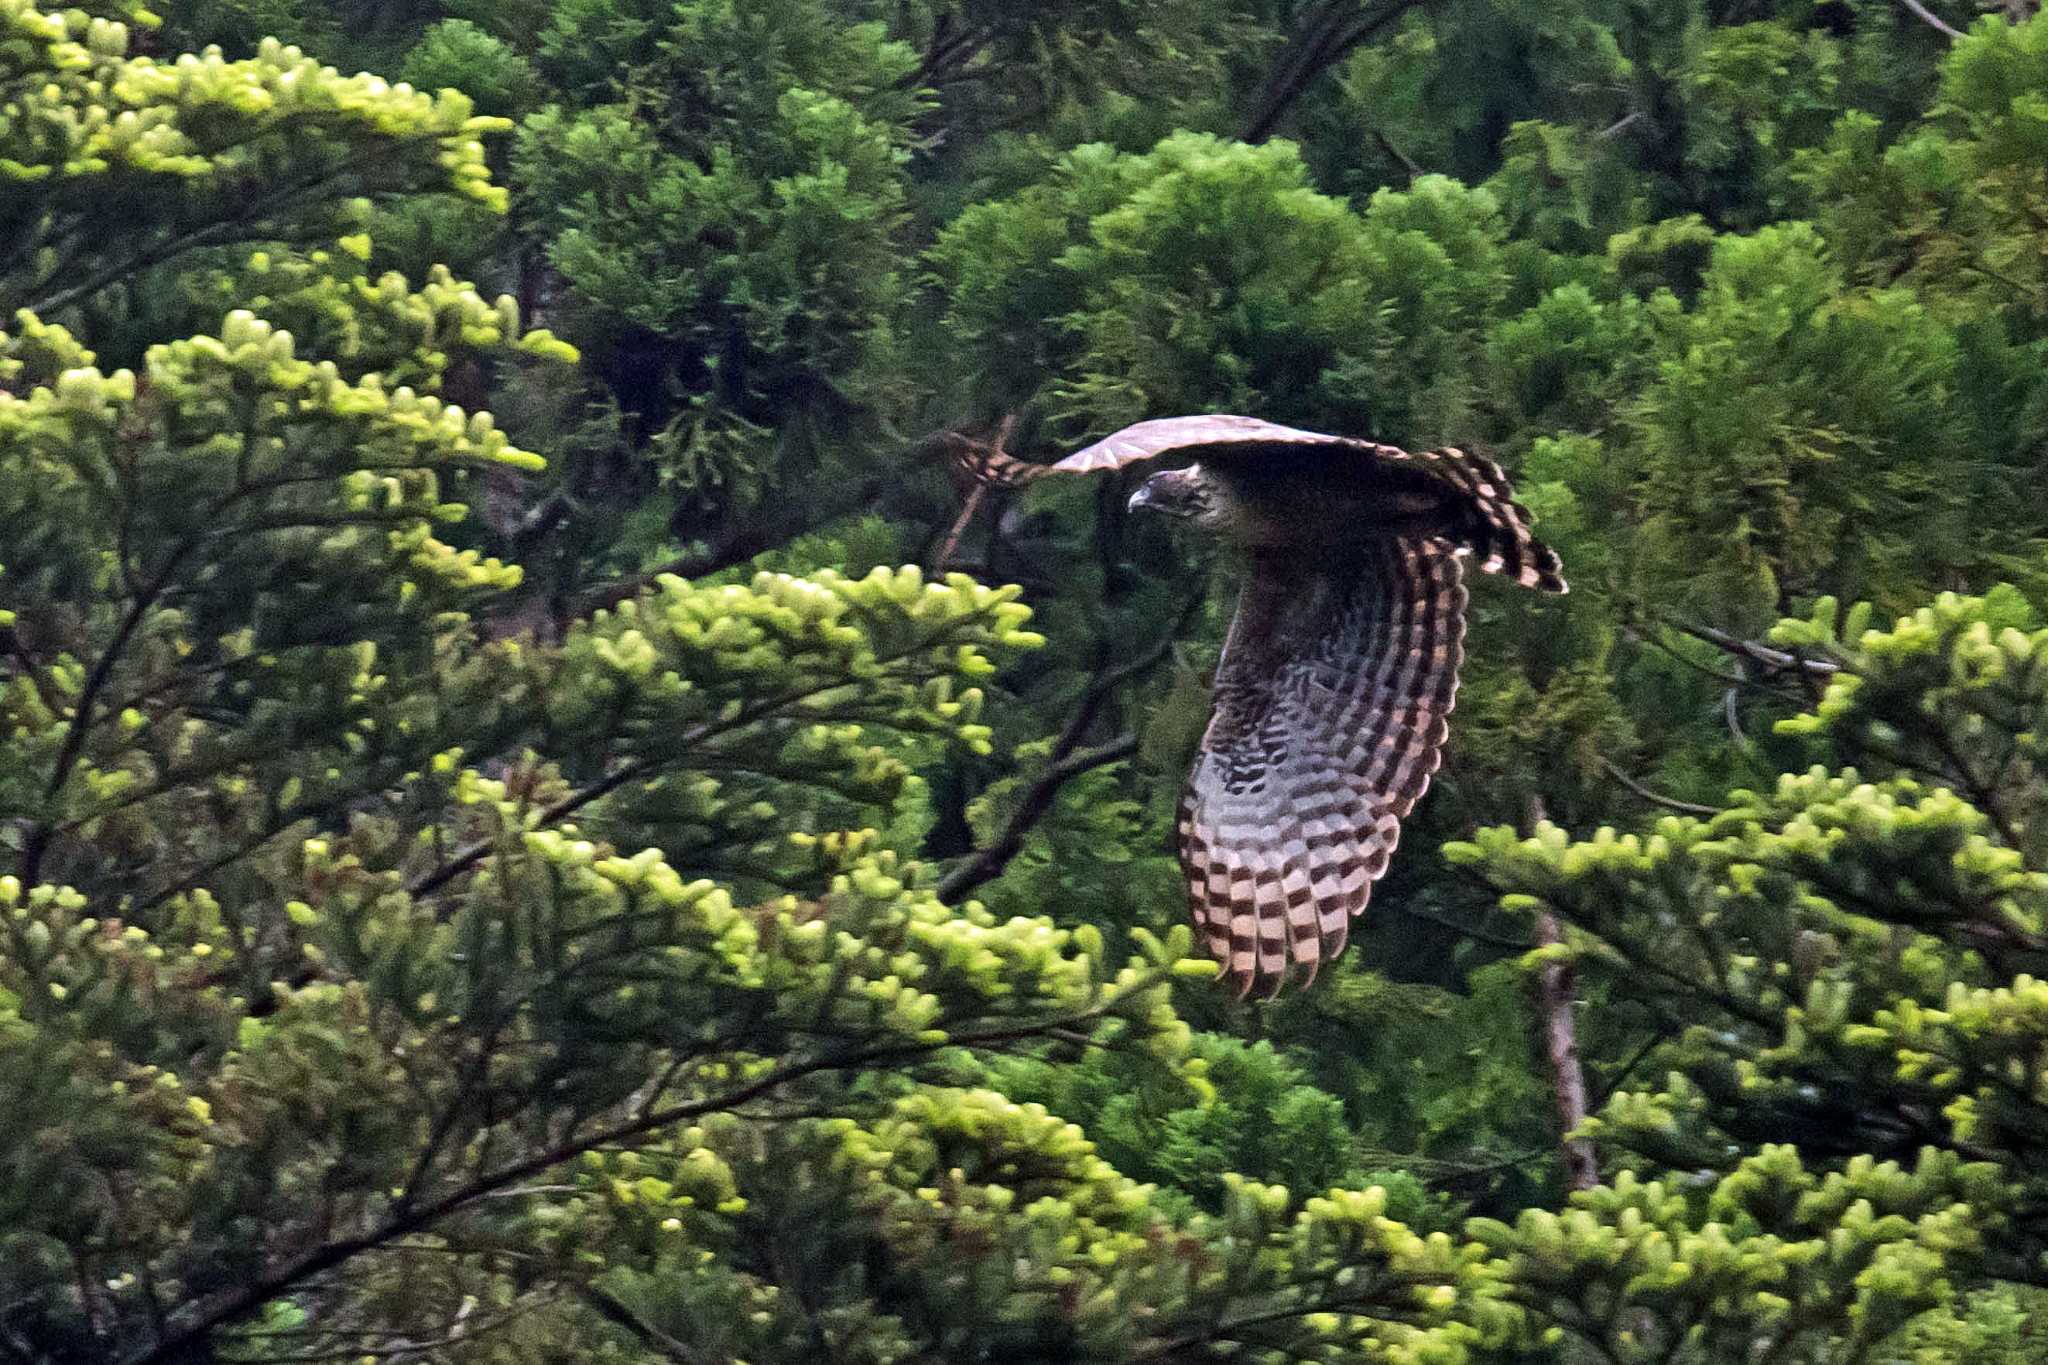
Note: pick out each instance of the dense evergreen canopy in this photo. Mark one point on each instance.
(539, 820)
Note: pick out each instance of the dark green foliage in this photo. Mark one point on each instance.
(1249, 1109)
(464, 56)
(724, 197)
(1207, 273)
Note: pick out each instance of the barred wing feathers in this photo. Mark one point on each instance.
(1478, 512)
(1332, 705)
(987, 463)
(1487, 519)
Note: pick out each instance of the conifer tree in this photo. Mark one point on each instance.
(430, 930)
(373, 984)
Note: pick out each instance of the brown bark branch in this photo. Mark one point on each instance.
(1655, 799)
(987, 864)
(1556, 985)
(968, 507)
(1335, 31)
(1777, 660)
(1068, 761)
(977, 493)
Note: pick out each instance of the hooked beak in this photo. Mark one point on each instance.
(1142, 498)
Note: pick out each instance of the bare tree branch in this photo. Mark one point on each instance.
(1408, 163)
(1367, 1296)
(609, 1307)
(968, 507)
(1620, 125)
(634, 769)
(1931, 19)
(1733, 714)
(947, 54)
(1068, 761)
(977, 493)
(988, 863)
(1669, 803)
(1323, 41)
(1776, 660)
(191, 1329)
(796, 517)
(469, 856)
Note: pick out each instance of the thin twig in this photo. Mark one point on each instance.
(1408, 163)
(1621, 1075)
(1477, 935)
(1068, 761)
(73, 747)
(1670, 803)
(248, 226)
(471, 854)
(1375, 1294)
(1777, 660)
(1670, 652)
(1734, 719)
(615, 1311)
(1620, 125)
(800, 517)
(467, 857)
(1322, 43)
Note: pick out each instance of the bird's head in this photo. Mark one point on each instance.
(1186, 494)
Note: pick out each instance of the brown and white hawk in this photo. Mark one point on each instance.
(1340, 668)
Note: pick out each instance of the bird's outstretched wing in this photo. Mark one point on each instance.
(1212, 436)
(1476, 499)
(1332, 701)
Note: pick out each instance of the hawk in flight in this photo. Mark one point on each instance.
(1340, 668)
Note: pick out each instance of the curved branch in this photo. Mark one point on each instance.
(1931, 19)
(796, 517)
(471, 854)
(987, 864)
(465, 858)
(1069, 761)
(614, 1310)
(1669, 803)
(1326, 40)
